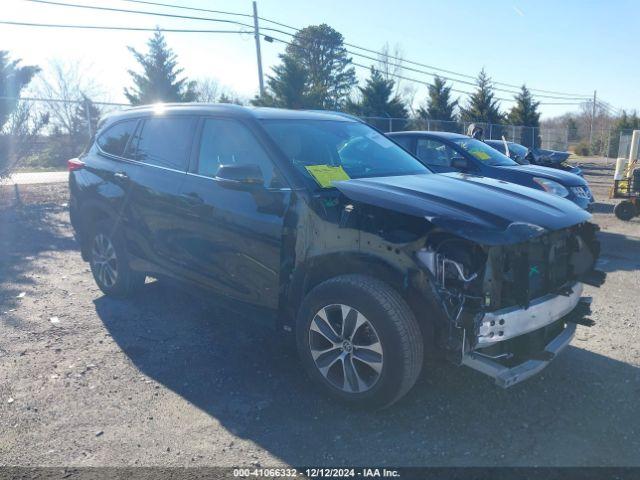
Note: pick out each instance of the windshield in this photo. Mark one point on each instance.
(483, 152)
(326, 150)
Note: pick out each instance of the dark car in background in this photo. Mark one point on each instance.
(445, 152)
(336, 236)
(536, 156)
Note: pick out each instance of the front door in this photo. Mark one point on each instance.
(232, 238)
(435, 154)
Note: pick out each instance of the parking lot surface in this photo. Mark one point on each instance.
(169, 379)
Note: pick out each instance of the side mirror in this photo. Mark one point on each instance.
(460, 163)
(240, 175)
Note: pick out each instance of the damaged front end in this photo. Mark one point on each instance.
(509, 309)
(501, 267)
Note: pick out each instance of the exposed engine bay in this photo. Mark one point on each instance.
(504, 303)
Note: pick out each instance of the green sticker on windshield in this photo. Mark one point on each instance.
(479, 154)
(325, 175)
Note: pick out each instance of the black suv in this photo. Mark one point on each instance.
(321, 224)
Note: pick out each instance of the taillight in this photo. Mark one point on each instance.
(74, 164)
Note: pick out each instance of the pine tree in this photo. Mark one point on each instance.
(439, 105)
(159, 80)
(525, 111)
(13, 78)
(377, 99)
(320, 51)
(16, 119)
(288, 87)
(482, 105)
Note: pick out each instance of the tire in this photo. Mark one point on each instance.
(625, 210)
(372, 352)
(109, 262)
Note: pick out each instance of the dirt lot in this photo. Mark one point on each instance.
(168, 380)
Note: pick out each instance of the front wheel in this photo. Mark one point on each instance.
(109, 262)
(359, 340)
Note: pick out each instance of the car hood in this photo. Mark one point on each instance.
(567, 179)
(484, 210)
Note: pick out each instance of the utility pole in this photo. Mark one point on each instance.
(256, 34)
(593, 116)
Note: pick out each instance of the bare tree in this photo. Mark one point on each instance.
(408, 95)
(390, 61)
(390, 65)
(69, 84)
(18, 136)
(207, 90)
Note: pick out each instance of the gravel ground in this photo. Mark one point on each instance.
(168, 380)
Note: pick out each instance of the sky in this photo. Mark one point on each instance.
(574, 46)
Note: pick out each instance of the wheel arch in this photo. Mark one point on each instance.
(408, 283)
(91, 212)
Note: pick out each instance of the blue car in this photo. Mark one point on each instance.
(451, 152)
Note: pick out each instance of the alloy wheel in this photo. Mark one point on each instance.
(104, 260)
(346, 348)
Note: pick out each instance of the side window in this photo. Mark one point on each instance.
(115, 138)
(165, 141)
(228, 142)
(434, 152)
(404, 142)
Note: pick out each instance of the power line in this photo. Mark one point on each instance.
(158, 4)
(451, 72)
(395, 75)
(473, 84)
(563, 95)
(571, 97)
(102, 27)
(141, 12)
(123, 10)
(224, 12)
(382, 54)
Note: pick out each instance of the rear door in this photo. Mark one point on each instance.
(232, 238)
(160, 149)
(113, 164)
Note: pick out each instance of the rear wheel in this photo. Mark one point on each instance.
(109, 262)
(625, 210)
(359, 340)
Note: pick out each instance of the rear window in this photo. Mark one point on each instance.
(115, 138)
(165, 142)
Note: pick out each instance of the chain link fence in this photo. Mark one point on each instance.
(44, 133)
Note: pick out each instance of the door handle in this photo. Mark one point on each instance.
(121, 176)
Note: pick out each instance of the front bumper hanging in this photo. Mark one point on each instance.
(511, 323)
(509, 376)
